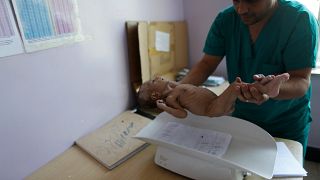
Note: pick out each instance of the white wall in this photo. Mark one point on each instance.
(314, 136)
(50, 98)
(199, 15)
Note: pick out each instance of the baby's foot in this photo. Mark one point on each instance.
(263, 79)
(273, 87)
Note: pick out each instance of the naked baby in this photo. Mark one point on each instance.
(198, 100)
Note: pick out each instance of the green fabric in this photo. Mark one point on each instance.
(288, 41)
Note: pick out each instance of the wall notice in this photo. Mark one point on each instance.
(47, 23)
(10, 42)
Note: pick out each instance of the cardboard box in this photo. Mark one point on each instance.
(156, 48)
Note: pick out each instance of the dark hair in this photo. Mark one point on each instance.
(145, 102)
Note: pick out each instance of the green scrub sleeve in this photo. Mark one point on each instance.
(215, 42)
(301, 50)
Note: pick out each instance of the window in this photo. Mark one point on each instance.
(314, 7)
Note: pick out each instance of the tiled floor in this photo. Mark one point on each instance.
(313, 170)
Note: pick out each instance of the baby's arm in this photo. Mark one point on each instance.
(200, 101)
(174, 102)
(189, 97)
(177, 112)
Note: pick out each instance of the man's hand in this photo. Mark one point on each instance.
(263, 88)
(250, 94)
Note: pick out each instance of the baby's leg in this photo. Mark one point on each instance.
(224, 103)
(179, 113)
(263, 79)
(272, 87)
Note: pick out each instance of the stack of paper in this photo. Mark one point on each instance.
(286, 165)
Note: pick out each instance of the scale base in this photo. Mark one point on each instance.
(194, 168)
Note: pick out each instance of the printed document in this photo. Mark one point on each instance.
(204, 140)
(10, 42)
(47, 24)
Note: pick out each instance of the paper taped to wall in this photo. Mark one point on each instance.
(162, 41)
(10, 42)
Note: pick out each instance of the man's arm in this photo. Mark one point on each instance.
(202, 70)
(296, 86)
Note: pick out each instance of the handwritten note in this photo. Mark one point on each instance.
(204, 140)
(113, 143)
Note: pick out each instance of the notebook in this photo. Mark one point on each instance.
(112, 144)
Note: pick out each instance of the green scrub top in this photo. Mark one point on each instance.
(287, 42)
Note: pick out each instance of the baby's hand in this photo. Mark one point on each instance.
(179, 113)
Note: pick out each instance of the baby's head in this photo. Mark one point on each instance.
(151, 91)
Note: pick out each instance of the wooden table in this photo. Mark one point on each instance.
(76, 164)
